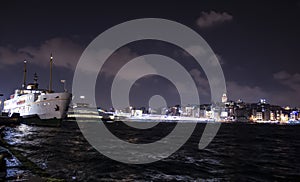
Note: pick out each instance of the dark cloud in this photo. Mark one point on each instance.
(213, 18)
(292, 81)
(253, 47)
(66, 53)
(247, 93)
(201, 82)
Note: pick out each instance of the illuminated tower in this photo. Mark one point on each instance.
(224, 98)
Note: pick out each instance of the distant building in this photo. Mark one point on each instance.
(205, 111)
(136, 112)
(174, 111)
(275, 113)
(294, 115)
(261, 111)
(191, 111)
(243, 111)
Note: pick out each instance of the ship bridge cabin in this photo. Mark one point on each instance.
(30, 88)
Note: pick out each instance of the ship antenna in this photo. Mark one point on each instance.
(25, 72)
(50, 82)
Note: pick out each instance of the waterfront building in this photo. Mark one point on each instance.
(191, 111)
(243, 111)
(260, 111)
(275, 112)
(294, 115)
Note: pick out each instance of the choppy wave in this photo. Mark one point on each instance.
(240, 152)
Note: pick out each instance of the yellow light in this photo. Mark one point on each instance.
(252, 118)
(284, 118)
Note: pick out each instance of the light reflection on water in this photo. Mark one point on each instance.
(16, 135)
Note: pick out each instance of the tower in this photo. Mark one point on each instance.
(224, 98)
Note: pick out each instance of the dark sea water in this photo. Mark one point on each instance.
(239, 152)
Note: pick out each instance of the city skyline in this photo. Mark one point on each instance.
(258, 51)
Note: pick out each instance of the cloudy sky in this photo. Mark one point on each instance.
(257, 44)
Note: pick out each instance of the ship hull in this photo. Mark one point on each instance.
(5, 120)
(36, 120)
(39, 108)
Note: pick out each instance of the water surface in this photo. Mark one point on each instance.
(239, 152)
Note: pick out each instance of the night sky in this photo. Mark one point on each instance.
(256, 42)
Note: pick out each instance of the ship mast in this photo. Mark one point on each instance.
(24, 77)
(50, 81)
(35, 79)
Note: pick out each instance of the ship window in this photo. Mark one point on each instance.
(45, 98)
(57, 97)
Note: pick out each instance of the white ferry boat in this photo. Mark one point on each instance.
(33, 103)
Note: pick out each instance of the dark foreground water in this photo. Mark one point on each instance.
(239, 152)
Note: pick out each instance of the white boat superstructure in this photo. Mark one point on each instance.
(32, 102)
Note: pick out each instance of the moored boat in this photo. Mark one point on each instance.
(38, 106)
